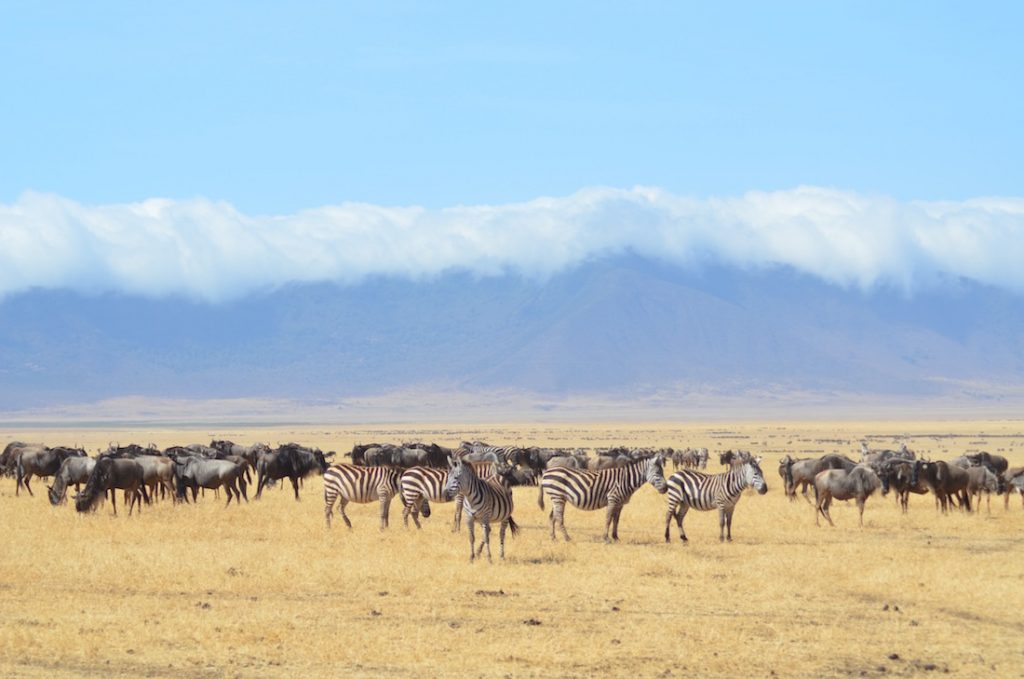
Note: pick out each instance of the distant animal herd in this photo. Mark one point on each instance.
(478, 479)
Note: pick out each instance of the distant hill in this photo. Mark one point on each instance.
(612, 328)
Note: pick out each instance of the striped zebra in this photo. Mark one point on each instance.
(478, 451)
(587, 490)
(422, 485)
(690, 489)
(486, 501)
(346, 483)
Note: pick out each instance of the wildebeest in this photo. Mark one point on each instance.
(194, 473)
(802, 472)
(981, 479)
(857, 484)
(290, 461)
(249, 453)
(73, 471)
(734, 457)
(997, 463)
(897, 474)
(158, 474)
(113, 474)
(44, 462)
(945, 480)
(1014, 479)
(12, 452)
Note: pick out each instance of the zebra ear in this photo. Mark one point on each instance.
(450, 462)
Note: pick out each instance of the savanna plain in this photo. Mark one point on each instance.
(265, 589)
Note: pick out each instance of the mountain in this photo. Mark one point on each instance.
(615, 327)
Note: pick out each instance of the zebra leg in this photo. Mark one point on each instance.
(721, 524)
(487, 541)
(501, 537)
(341, 510)
(472, 538)
(680, 514)
(385, 504)
(609, 516)
(406, 511)
(728, 523)
(328, 507)
(558, 510)
(668, 518)
(457, 525)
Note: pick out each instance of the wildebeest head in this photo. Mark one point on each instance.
(321, 459)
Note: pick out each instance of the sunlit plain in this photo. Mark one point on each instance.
(265, 589)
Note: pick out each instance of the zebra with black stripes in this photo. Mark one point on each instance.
(689, 489)
(587, 490)
(485, 501)
(346, 483)
(422, 485)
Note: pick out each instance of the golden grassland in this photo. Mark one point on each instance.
(265, 589)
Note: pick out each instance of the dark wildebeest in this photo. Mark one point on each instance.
(857, 484)
(997, 463)
(249, 453)
(113, 474)
(358, 453)
(946, 481)
(734, 458)
(897, 473)
(290, 461)
(73, 470)
(195, 473)
(45, 462)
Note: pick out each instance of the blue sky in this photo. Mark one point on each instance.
(279, 107)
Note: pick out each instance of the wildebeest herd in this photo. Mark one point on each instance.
(478, 478)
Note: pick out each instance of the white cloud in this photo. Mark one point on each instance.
(209, 250)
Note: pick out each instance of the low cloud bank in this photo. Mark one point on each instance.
(209, 250)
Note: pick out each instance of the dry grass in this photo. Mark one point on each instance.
(265, 590)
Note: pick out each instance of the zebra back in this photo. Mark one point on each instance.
(590, 490)
(360, 484)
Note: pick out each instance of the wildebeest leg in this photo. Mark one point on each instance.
(295, 486)
(113, 499)
(472, 537)
(261, 480)
(242, 486)
(227, 491)
(860, 508)
(28, 477)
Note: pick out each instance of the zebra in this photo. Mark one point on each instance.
(589, 490)
(422, 485)
(478, 451)
(690, 489)
(349, 483)
(486, 500)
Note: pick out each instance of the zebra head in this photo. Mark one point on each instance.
(451, 484)
(655, 470)
(753, 475)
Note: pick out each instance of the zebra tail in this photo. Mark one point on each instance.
(513, 526)
(540, 494)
